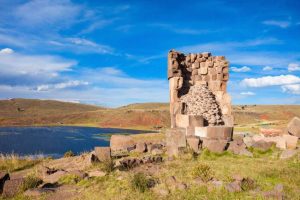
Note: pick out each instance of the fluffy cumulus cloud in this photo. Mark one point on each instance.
(267, 68)
(6, 51)
(247, 93)
(278, 23)
(293, 67)
(270, 81)
(293, 88)
(241, 69)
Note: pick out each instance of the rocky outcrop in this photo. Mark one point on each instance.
(293, 127)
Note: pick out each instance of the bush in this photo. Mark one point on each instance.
(248, 184)
(203, 171)
(69, 154)
(30, 182)
(141, 182)
(107, 166)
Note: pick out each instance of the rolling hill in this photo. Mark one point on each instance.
(27, 112)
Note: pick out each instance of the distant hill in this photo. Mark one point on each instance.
(28, 112)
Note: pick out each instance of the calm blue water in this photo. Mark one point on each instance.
(54, 141)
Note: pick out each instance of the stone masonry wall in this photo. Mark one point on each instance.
(198, 85)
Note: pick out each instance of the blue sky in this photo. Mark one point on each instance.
(113, 53)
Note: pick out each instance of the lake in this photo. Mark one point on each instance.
(55, 141)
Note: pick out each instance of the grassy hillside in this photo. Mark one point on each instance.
(139, 116)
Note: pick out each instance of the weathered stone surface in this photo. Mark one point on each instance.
(121, 142)
(12, 187)
(157, 152)
(234, 186)
(288, 153)
(194, 143)
(172, 149)
(176, 136)
(196, 120)
(294, 127)
(103, 153)
(3, 177)
(213, 145)
(262, 145)
(141, 147)
(220, 132)
(201, 132)
(236, 147)
(291, 141)
(182, 121)
(54, 177)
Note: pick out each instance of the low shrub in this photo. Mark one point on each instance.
(30, 182)
(203, 171)
(248, 184)
(141, 182)
(69, 154)
(107, 166)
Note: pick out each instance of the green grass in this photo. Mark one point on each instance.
(12, 163)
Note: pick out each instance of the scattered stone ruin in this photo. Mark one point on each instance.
(199, 101)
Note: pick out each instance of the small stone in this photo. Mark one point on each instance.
(12, 187)
(293, 127)
(103, 153)
(234, 186)
(288, 154)
(291, 141)
(96, 173)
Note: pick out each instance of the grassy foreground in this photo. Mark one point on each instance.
(265, 168)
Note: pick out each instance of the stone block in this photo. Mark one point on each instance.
(291, 141)
(194, 72)
(177, 136)
(224, 86)
(193, 143)
(225, 70)
(12, 187)
(220, 132)
(293, 127)
(121, 142)
(3, 177)
(270, 132)
(103, 153)
(228, 120)
(203, 70)
(196, 65)
(214, 85)
(262, 145)
(141, 147)
(196, 120)
(213, 145)
(172, 149)
(225, 77)
(201, 132)
(210, 64)
(182, 121)
(206, 54)
(190, 131)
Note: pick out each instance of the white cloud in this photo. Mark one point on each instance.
(293, 67)
(110, 71)
(181, 30)
(242, 69)
(293, 88)
(45, 65)
(270, 81)
(6, 51)
(81, 45)
(69, 84)
(247, 93)
(47, 12)
(278, 23)
(267, 68)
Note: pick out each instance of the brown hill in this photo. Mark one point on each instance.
(139, 116)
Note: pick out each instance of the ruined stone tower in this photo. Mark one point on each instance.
(199, 101)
